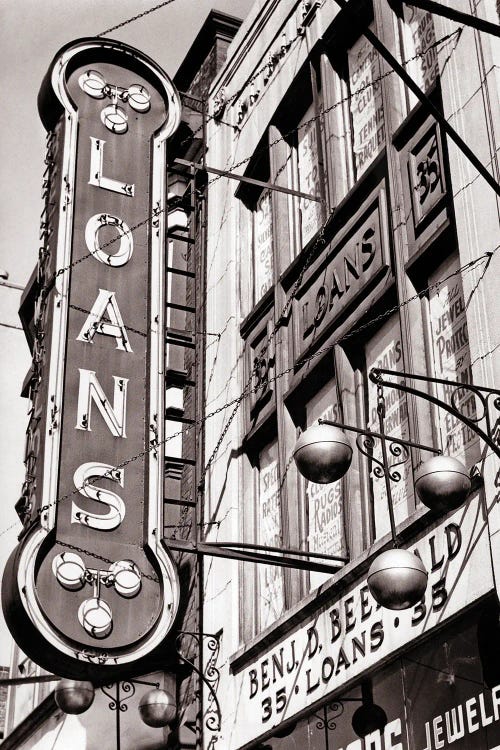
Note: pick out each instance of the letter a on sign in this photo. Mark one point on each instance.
(91, 592)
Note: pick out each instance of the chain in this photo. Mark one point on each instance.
(135, 18)
(236, 401)
(99, 557)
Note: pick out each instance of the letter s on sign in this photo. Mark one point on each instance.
(82, 479)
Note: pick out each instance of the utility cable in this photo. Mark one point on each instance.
(233, 167)
(485, 257)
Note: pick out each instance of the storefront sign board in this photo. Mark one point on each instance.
(351, 261)
(352, 634)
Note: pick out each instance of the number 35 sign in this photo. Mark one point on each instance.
(90, 588)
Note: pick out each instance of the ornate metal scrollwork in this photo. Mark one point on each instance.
(366, 445)
(210, 676)
(331, 712)
(116, 703)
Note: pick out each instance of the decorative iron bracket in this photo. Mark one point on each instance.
(482, 393)
(118, 704)
(210, 676)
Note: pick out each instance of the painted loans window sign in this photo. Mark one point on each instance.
(324, 502)
(419, 41)
(270, 577)
(367, 110)
(385, 350)
(309, 176)
(263, 245)
(450, 347)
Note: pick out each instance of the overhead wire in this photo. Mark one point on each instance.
(248, 390)
(233, 167)
(136, 17)
(485, 257)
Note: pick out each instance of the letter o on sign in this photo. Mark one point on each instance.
(126, 247)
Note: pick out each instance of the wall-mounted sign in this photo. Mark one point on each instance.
(91, 588)
(426, 175)
(345, 268)
(351, 634)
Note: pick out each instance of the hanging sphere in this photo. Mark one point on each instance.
(442, 483)
(74, 696)
(157, 708)
(323, 453)
(397, 579)
(368, 718)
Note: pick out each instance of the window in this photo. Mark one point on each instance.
(385, 349)
(270, 588)
(354, 119)
(324, 503)
(262, 224)
(419, 39)
(256, 231)
(451, 361)
(308, 174)
(366, 106)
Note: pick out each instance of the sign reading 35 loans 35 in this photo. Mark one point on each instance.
(90, 588)
(350, 634)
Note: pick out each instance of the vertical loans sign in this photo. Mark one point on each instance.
(90, 587)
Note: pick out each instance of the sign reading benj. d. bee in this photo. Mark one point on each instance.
(90, 588)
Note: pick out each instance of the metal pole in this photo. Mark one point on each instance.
(456, 15)
(118, 712)
(381, 415)
(375, 376)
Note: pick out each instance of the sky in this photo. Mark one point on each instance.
(31, 33)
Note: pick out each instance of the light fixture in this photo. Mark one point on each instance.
(323, 453)
(158, 708)
(442, 483)
(397, 578)
(368, 717)
(74, 696)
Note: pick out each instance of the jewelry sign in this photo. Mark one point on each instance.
(90, 588)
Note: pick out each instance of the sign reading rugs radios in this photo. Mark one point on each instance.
(90, 588)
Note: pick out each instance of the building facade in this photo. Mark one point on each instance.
(360, 237)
